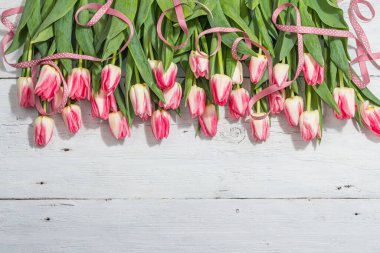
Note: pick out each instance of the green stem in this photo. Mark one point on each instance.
(220, 61)
(80, 63)
(308, 98)
(260, 41)
(151, 55)
(138, 80)
(113, 59)
(120, 60)
(341, 82)
(360, 97)
(44, 105)
(291, 91)
(30, 55)
(258, 103)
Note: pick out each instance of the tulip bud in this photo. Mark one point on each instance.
(238, 103)
(280, 73)
(119, 126)
(72, 117)
(141, 101)
(276, 101)
(56, 103)
(260, 127)
(237, 77)
(160, 122)
(196, 101)
(312, 71)
(199, 64)
(165, 80)
(221, 86)
(100, 106)
(345, 98)
(257, 67)
(309, 125)
(43, 130)
(293, 109)
(172, 97)
(209, 121)
(79, 84)
(25, 92)
(370, 115)
(110, 78)
(48, 83)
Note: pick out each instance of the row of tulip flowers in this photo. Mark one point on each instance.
(225, 91)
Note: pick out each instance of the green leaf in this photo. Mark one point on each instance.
(266, 8)
(189, 80)
(330, 15)
(338, 55)
(171, 15)
(119, 100)
(312, 43)
(128, 83)
(63, 38)
(252, 4)
(45, 35)
(141, 61)
(84, 35)
(22, 32)
(324, 93)
(60, 9)
(267, 41)
(143, 14)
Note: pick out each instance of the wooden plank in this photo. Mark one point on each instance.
(171, 226)
(92, 164)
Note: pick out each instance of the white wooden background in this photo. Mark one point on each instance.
(90, 193)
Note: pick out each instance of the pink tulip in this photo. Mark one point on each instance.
(257, 67)
(111, 75)
(160, 122)
(112, 102)
(72, 117)
(276, 101)
(312, 71)
(199, 64)
(79, 84)
(238, 103)
(43, 130)
(141, 101)
(119, 126)
(371, 117)
(56, 103)
(165, 80)
(209, 121)
(172, 97)
(196, 101)
(237, 77)
(260, 127)
(293, 109)
(345, 98)
(309, 125)
(25, 92)
(48, 83)
(100, 106)
(280, 73)
(221, 86)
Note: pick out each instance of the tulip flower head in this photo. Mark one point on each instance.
(238, 103)
(260, 127)
(293, 108)
(110, 78)
(257, 67)
(141, 101)
(25, 92)
(276, 101)
(221, 86)
(280, 74)
(237, 77)
(79, 84)
(160, 123)
(345, 98)
(209, 121)
(313, 72)
(172, 97)
(100, 106)
(48, 83)
(196, 101)
(118, 125)
(165, 80)
(43, 130)
(309, 125)
(370, 115)
(72, 117)
(199, 64)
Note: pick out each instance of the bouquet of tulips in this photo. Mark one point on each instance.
(128, 70)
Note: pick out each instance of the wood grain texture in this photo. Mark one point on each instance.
(90, 193)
